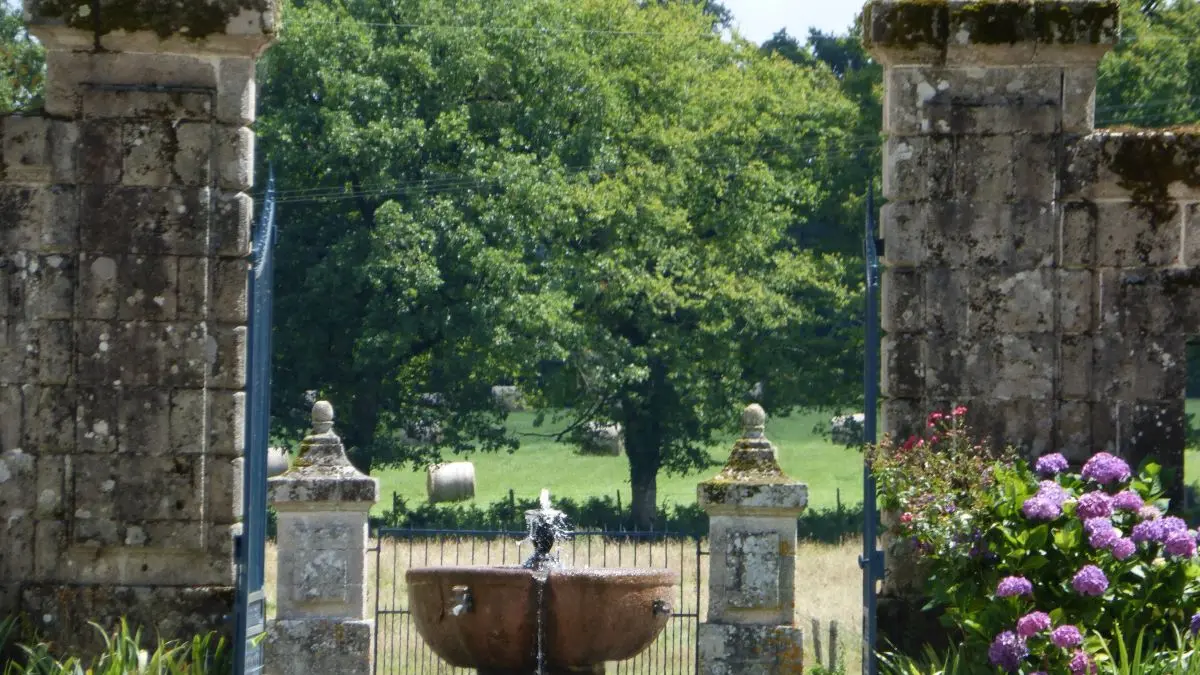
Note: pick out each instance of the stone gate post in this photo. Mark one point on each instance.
(124, 229)
(321, 625)
(752, 508)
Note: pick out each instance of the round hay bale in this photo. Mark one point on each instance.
(597, 438)
(848, 429)
(277, 461)
(509, 398)
(453, 482)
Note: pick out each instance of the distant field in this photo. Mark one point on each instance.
(542, 463)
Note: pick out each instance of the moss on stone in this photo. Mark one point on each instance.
(165, 18)
(1148, 163)
(931, 23)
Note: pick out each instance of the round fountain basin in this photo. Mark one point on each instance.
(591, 615)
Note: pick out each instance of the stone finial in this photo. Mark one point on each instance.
(322, 417)
(754, 421)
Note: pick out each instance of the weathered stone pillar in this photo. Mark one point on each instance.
(124, 226)
(321, 624)
(752, 508)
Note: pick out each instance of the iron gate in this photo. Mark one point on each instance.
(871, 560)
(399, 649)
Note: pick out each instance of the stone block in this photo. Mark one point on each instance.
(49, 426)
(18, 352)
(1026, 424)
(18, 471)
(236, 91)
(1191, 236)
(131, 489)
(145, 221)
(925, 100)
(1134, 301)
(227, 423)
(11, 403)
(17, 532)
(965, 234)
(1073, 432)
(166, 105)
(1129, 236)
(98, 419)
(10, 289)
(753, 559)
(101, 153)
(26, 149)
(25, 212)
(1035, 165)
(1079, 100)
(187, 421)
(1077, 236)
(725, 649)
(147, 287)
(227, 362)
(97, 357)
(903, 417)
(193, 154)
(1129, 367)
(149, 150)
(55, 349)
(144, 421)
(1021, 301)
(903, 369)
(321, 564)
(903, 228)
(983, 168)
(97, 293)
(231, 225)
(185, 349)
(304, 646)
(1075, 301)
(947, 300)
(1157, 432)
(49, 284)
(192, 297)
(223, 502)
(919, 168)
(903, 301)
(177, 612)
(68, 70)
(235, 158)
(64, 140)
(1075, 367)
(230, 290)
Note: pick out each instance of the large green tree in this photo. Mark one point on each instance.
(587, 198)
(22, 64)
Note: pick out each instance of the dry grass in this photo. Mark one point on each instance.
(828, 587)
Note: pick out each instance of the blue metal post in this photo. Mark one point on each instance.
(251, 603)
(871, 560)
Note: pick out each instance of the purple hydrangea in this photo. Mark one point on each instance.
(1010, 586)
(1090, 580)
(1093, 505)
(1066, 637)
(1122, 548)
(1049, 465)
(1048, 489)
(1172, 524)
(1104, 538)
(1007, 651)
(1147, 531)
(1195, 626)
(1149, 512)
(1180, 544)
(1092, 525)
(1105, 468)
(1033, 623)
(1041, 508)
(1128, 500)
(1081, 663)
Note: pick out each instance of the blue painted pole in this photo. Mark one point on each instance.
(871, 560)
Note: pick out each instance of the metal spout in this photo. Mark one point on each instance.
(662, 608)
(463, 602)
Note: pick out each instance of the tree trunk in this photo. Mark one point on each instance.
(360, 437)
(644, 505)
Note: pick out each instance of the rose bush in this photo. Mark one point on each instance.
(1038, 565)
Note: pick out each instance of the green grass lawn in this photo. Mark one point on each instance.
(542, 462)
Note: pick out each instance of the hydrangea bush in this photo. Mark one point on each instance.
(1036, 565)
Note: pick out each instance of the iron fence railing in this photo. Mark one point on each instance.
(399, 649)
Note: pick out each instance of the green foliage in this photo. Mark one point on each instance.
(1149, 80)
(22, 64)
(1011, 524)
(827, 525)
(593, 217)
(122, 655)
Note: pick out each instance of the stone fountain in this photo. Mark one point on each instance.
(539, 617)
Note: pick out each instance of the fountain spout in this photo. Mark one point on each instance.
(463, 602)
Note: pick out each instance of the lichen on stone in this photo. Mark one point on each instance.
(165, 18)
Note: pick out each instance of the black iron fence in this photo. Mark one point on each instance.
(399, 649)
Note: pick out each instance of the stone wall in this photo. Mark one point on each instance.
(124, 226)
(1040, 272)
(1036, 271)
